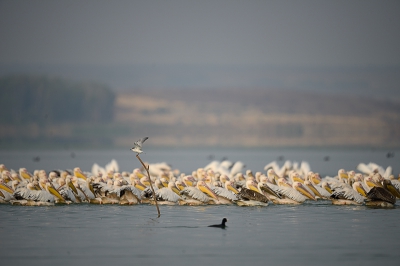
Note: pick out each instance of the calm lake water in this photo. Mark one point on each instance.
(310, 234)
(315, 233)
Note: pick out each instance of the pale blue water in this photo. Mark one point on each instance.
(310, 234)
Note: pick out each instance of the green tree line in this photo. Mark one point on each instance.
(45, 100)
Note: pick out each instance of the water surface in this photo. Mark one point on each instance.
(309, 234)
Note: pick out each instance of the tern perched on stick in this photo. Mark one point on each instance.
(137, 146)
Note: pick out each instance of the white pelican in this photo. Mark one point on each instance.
(30, 196)
(78, 173)
(357, 186)
(7, 195)
(5, 187)
(66, 190)
(226, 194)
(198, 195)
(372, 168)
(290, 194)
(23, 172)
(236, 168)
(346, 195)
(111, 166)
(105, 193)
(168, 195)
(128, 194)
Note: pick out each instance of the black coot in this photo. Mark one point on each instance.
(222, 225)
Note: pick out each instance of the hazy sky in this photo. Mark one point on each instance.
(279, 33)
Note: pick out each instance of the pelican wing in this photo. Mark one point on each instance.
(67, 194)
(291, 193)
(97, 169)
(34, 195)
(387, 172)
(395, 183)
(212, 165)
(376, 167)
(121, 191)
(6, 195)
(101, 189)
(362, 167)
(166, 194)
(305, 167)
(348, 193)
(223, 192)
(324, 193)
(274, 165)
(237, 168)
(112, 166)
(194, 193)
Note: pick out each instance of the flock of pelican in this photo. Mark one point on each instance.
(220, 182)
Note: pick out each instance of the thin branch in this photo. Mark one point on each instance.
(151, 186)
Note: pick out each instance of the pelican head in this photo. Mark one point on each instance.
(342, 174)
(251, 184)
(229, 186)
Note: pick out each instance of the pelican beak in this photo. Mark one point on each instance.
(25, 175)
(371, 184)
(344, 175)
(174, 189)
(146, 183)
(298, 179)
(361, 191)
(254, 188)
(80, 175)
(208, 191)
(55, 193)
(305, 192)
(139, 175)
(231, 188)
(6, 188)
(327, 188)
(72, 186)
(393, 190)
(316, 180)
(314, 190)
(180, 186)
(140, 186)
(190, 183)
(283, 184)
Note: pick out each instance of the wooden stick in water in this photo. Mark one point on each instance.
(151, 186)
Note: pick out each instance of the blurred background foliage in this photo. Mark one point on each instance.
(44, 100)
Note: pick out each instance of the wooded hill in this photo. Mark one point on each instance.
(43, 100)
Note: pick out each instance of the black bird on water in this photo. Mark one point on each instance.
(222, 225)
